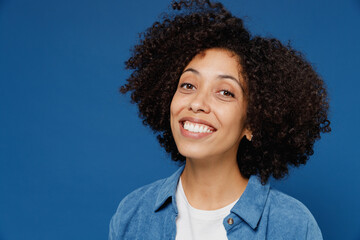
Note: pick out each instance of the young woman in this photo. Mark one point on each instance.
(234, 110)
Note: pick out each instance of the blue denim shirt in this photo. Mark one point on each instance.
(261, 213)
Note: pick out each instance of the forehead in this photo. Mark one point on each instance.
(217, 53)
(216, 60)
(213, 51)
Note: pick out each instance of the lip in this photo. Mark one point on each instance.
(194, 135)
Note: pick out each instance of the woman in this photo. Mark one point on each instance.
(234, 110)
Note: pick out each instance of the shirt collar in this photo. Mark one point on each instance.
(168, 190)
(252, 202)
(249, 207)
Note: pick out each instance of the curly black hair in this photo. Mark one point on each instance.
(287, 100)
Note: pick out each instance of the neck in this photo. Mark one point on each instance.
(212, 184)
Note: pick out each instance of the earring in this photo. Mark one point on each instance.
(251, 137)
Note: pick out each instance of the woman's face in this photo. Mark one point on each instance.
(208, 110)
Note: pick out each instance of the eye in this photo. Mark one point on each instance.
(227, 93)
(188, 86)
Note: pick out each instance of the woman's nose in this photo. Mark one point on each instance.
(200, 103)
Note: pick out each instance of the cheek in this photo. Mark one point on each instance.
(174, 110)
(176, 105)
(231, 117)
(173, 106)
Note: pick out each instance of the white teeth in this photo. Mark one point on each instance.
(191, 127)
(198, 128)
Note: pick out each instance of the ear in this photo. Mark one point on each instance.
(248, 134)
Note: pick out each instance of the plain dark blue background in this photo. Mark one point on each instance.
(71, 147)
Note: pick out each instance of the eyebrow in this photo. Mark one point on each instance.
(221, 76)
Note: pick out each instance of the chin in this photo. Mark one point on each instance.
(194, 152)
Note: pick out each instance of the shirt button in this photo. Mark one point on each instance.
(230, 221)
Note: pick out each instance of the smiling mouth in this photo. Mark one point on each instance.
(197, 127)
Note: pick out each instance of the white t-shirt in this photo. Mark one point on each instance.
(195, 224)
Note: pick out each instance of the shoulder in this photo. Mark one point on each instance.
(144, 208)
(144, 196)
(138, 204)
(290, 217)
(288, 207)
